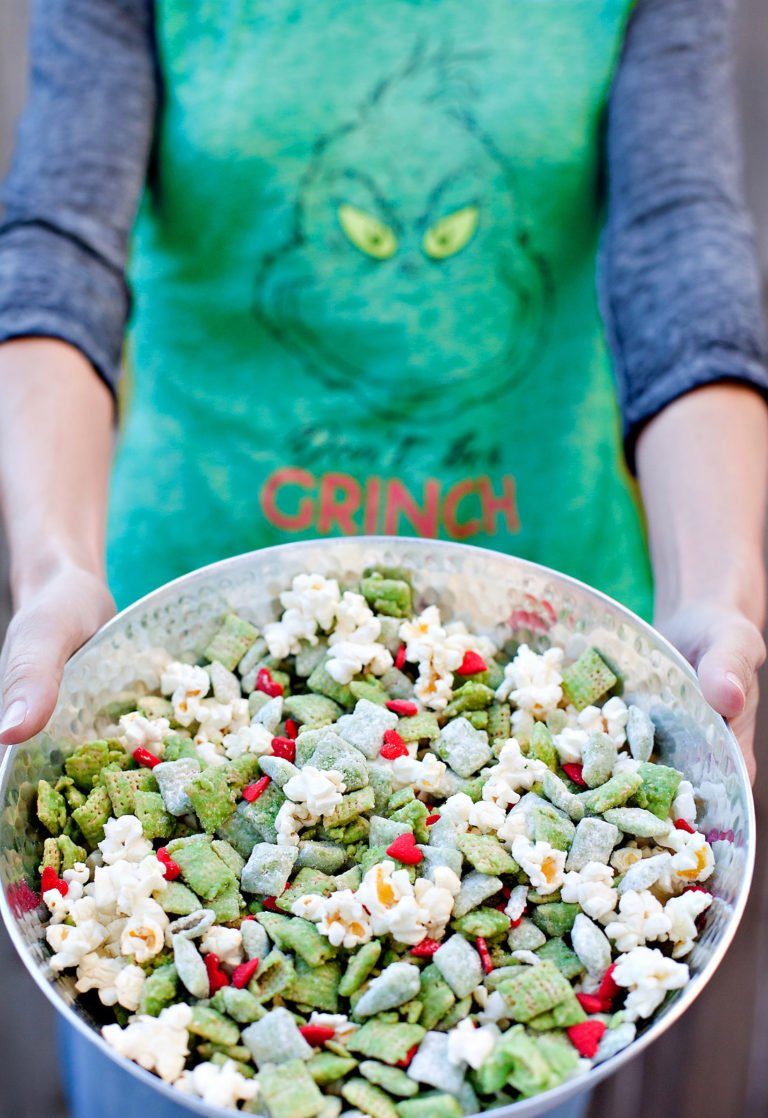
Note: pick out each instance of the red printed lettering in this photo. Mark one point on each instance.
(399, 501)
(504, 506)
(305, 510)
(460, 529)
(340, 498)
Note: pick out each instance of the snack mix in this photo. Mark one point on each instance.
(366, 862)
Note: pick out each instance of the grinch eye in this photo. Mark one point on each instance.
(449, 235)
(367, 233)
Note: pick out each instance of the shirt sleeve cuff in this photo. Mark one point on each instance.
(716, 366)
(53, 286)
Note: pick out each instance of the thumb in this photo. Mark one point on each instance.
(728, 666)
(40, 640)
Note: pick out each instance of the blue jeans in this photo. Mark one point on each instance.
(97, 1088)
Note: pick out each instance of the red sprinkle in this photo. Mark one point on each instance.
(425, 948)
(284, 747)
(243, 973)
(250, 916)
(393, 746)
(608, 988)
(316, 1034)
(270, 903)
(403, 707)
(400, 658)
(404, 850)
(252, 792)
(586, 1037)
(432, 818)
(143, 757)
(291, 729)
(573, 770)
(171, 869)
(698, 889)
(471, 664)
(591, 1003)
(514, 923)
(265, 683)
(49, 879)
(216, 976)
(682, 825)
(485, 958)
(407, 1057)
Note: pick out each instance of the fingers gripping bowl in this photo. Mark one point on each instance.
(490, 593)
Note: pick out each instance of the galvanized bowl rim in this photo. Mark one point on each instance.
(525, 1108)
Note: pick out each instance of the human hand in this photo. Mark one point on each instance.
(52, 622)
(726, 649)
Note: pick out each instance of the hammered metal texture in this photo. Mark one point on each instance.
(492, 593)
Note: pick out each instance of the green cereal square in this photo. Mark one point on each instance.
(547, 823)
(542, 746)
(587, 680)
(288, 1089)
(598, 758)
(535, 990)
(87, 761)
(227, 905)
(415, 814)
(228, 854)
(212, 798)
(242, 771)
(268, 868)
(359, 967)
(558, 793)
(393, 1080)
(369, 689)
(436, 996)
(178, 899)
(464, 748)
(381, 782)
(365, 727)
(475, 888)
(153, 706)
(419, 728)
(93, 814)
(240, 831)
(390, 1043)
(275, 1039)
(275, 974)
(471, 696)
(316, 987)
(431, 1065)
(213, 1026)
(321, 682)
(231, 642)
(51, 856)
(437, 856)
(526, 936)
(260, 815)
(159, 990)
(71, 793)
(70, 852)
(637, 821)
(172, 778)
(391, 596)
(640, 734)
(326, 857)
(312, 711)
(459, 964)
(307, 881)
(332, 752)
(565, 959)
(486, 854)
(593, 841)
(434, 1104)
(240, 1005)
(499, 723)
(351, 805)
(201, 868)
(122, 787)
(612, 794)
(383, 831)
(149, 809)
(368, 1098)
(658, 790)
(555, 919)
(178, 746)
(51, 808)
(303, 938)
(485, 922)
(326, 1067)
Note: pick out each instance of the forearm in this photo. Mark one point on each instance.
(703, 470)
(55, 448)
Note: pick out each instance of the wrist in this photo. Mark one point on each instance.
(34, 569)
(736, 583)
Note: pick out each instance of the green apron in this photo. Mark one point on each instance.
(365, 294)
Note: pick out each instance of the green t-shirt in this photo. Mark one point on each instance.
(365, 293)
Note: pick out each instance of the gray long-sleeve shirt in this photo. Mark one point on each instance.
(678, 276)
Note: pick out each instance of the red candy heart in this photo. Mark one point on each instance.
(49, 879)
(171, 869)
(216, 976)
(393, 746)
(591, 1003)
(471, 664)
(586, 1037)
(400, 658)
(608, 988)
(404, 850)
(316, 1034)
(252, 792)
(243, 973)
(573, 770)
(407, 1057)
(402, 707)
(285, 748)
(265, 683)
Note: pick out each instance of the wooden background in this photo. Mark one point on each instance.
(713, 1064)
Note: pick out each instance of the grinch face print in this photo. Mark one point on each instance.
(410, 284)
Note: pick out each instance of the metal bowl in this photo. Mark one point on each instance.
(483, 588)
